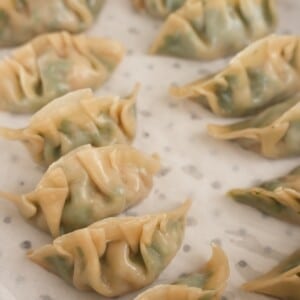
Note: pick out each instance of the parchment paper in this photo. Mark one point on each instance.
(194, 165)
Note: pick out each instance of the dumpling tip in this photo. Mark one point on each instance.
(10, 197)
(186, 205)
(135, 91)
(11, 134)
(178, 92)
(235, 193)
(253, 286)
(216, 131)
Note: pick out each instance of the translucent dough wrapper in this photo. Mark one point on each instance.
(21, 20)
(76, 119)
(283, 282)
(274, 133)
(266, 72)
(158, 8)
(52, 65)
(117, 255)
(279, 198)
(87, 185)
(213, 29)
(206, 284)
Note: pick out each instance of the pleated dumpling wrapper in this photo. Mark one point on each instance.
(52, 65)
(22, 20)
(266, 72)
(158, 8)
(76, 119)
(87, 185)
(212, 29)
(116, 255)
(207, 284)
(279, 198)
(283, 282)
(274, 133)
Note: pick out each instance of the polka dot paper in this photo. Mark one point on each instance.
(194, 166)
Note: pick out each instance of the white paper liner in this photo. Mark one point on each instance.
(195, 166)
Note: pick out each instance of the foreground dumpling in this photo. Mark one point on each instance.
(158, 8)
(22, 20)
(206, 284)
(87, 185)
(279, 198)
(283, 282)
(52, 65)
(212, 29)
(117, 255)
(274, 133)
(76, 119)
(266, 72)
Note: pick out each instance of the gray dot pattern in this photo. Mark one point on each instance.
(26, 245)
(194, 165)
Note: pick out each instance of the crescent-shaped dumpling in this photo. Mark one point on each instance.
(117, 255)
(282, 282)
(86, 185)
(279, 198)
(274, 133)
(76, 119)
(207, 30)
(52, 65)
(21, 20)
(265, 73)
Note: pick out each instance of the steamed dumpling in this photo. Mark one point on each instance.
(279, 198)
(274, 133)
(76, 119)
(213, 29)
(117, 255)
(52, 65)
(87, 185)
(158, 8)
(21, 20)
(283, 282)
(266, 72)
(206, 284)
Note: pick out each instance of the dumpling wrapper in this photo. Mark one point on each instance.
(158, 8)
(207, 30)
(21, 20)
(206, 284)
(116, 255)
(86, 185)
(266, 72)
(279, 198)
(76, 119)
(274, 133)
(52, 65)
(283, 282)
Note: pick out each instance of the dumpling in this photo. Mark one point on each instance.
(21, 20)
(76, 119)
(206, 284)
(52, 65)
(274, 133)
(87, 185)
(212, 29)
(279, 198)
(266, 72)
(117, 255)
(158, 8)
(283, 282)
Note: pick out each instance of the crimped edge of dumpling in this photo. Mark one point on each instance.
(270, 279)
(285, 197)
